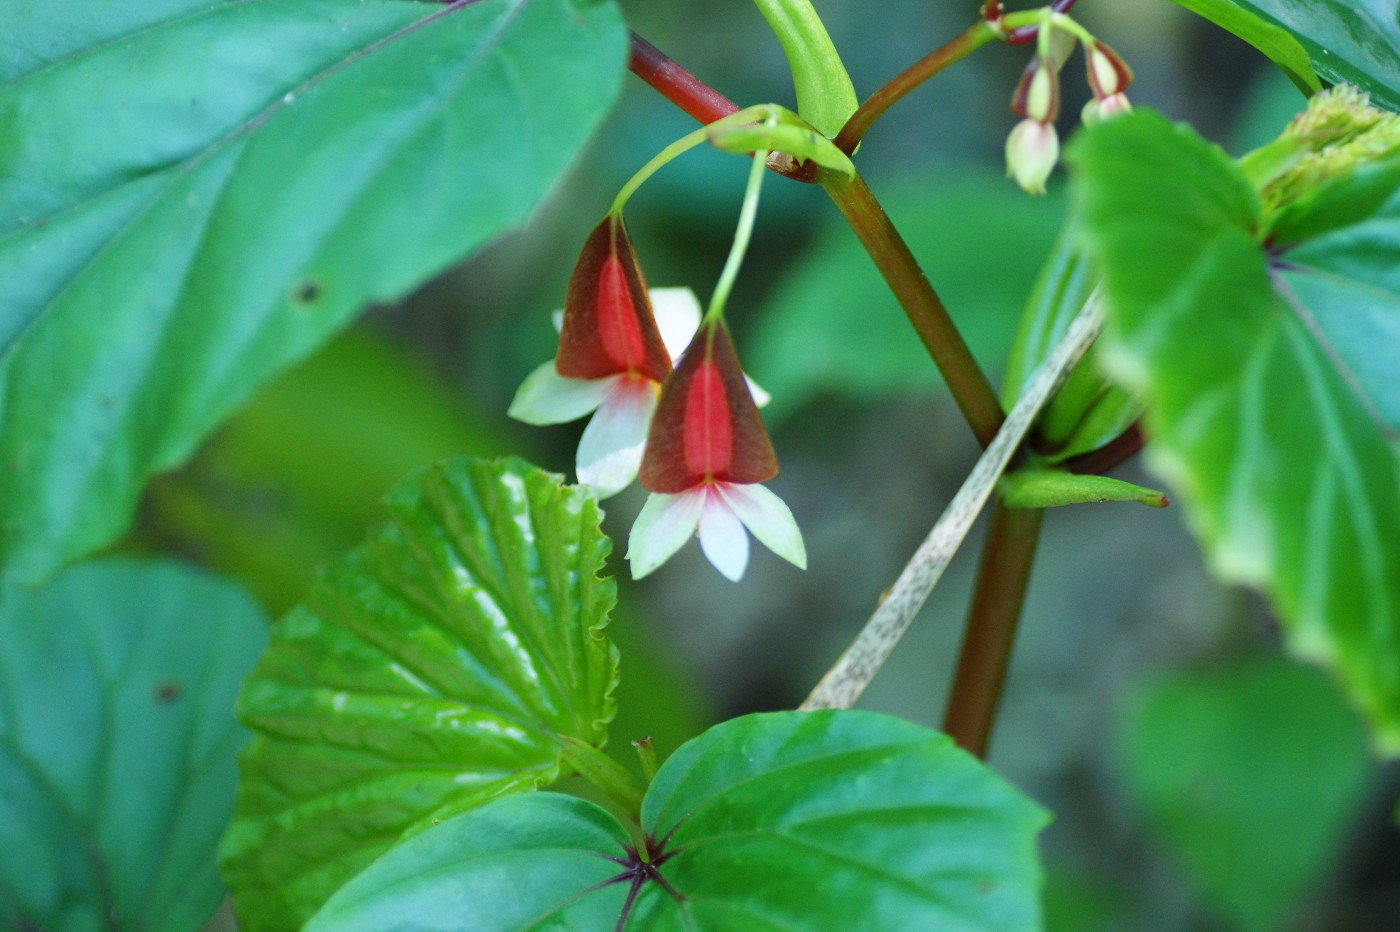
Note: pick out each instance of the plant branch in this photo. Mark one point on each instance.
(677, 85)
(849, 676)
(1002, 578)
(970, 387)
(982, 32)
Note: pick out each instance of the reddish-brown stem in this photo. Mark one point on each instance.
(877, 103)
(969, 385)
(1026, 34)
(1114, 453)
(677, 85)
(1002, 578)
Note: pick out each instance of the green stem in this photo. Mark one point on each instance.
(970, 387)
(1002, 578)
(684, 144)
(742, 234)
(606, 774)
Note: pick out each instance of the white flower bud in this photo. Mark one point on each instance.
(1096, 111)
(1032, 150)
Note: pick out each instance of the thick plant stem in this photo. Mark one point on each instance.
(970, 387)
(1002, 578)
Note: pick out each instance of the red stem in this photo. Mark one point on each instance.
(677, 85)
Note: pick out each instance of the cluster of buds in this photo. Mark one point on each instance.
(669, 401)
(1033, 147)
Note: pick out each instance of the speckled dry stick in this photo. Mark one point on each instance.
(847, 679)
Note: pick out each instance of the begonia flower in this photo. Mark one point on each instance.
(706, 454)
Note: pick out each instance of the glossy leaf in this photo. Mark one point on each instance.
(1250, 22)
(1278, 449)
(430, 670)
(1251, 776)
(194, 194)
(826, 98)
(117, 744)
(794, 821)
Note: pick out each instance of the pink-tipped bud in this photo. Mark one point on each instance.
(1096, 111)
(1032, 150)
(706, 427)
(1037, 94)
(609, 328)
(1108, 74)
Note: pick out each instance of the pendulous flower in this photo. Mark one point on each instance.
(706, 454)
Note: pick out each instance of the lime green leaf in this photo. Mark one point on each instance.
(832, 325)
(251, 175)
(117, 745)
(826, 98)
(1266, 395)
(799, 821)
(1250, 22)
(1047, 488)
(432, 669)
(787, 133)
(1251, 776)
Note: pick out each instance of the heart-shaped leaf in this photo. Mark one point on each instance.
(194, 193)
(1268, 393)
(117, 744)
(794, 821)
(434, 668)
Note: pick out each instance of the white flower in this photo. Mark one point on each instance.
(1032, 150)
(720, 511)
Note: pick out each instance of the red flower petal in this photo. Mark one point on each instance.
(608, 324)
(707, 427)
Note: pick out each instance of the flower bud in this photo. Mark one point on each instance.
(1096, 111)
(1037, 94)
(1108, 74)
(608, 327)
(1032, 150)
(707, 427)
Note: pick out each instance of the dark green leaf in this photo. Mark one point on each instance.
(1356, 41)
(832, 325)
(803, 822)
(194, 194)
(117, 744)
(1265, 411)
(1248, 21)
(429, 671)
(1251, 776)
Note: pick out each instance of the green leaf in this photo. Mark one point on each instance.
(1251, 776)
(117, 745)
(195, 194)
(1048, 488)
(831, 324)
(1266, 396)
(787, 133)
(1251, 23)
(432, 669)
(804, 822)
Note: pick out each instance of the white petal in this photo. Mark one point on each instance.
(610, 450)
(677, 313)
(558, 318)
(546, 397)
(768, 518)
(722, 537)
(665, 523)
(760, 397)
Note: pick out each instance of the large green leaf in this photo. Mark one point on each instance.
(1277, 446)
(193, 194)
(117, 744)
(1251, 775)
(802, 822)
(432, 669)
(1357, 41)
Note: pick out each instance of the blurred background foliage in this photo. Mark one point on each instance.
(1199, 781)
